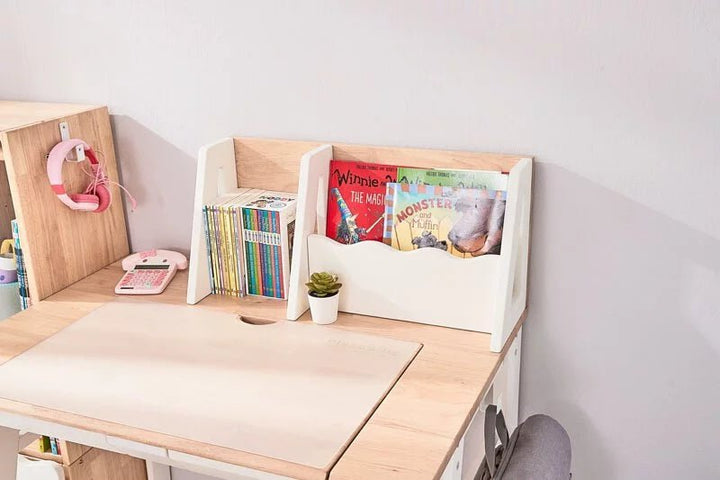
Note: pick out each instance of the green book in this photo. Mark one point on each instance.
(45, 444)
(478, 179)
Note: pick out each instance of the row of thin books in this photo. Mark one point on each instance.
(21, 270)
(248, 234)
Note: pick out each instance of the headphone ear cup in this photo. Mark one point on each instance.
(104, 197)
(85, 199)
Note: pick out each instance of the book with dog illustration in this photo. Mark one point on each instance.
(465, 222)
(356, 197)
(480, 179)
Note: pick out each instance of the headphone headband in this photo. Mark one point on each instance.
(85, 202)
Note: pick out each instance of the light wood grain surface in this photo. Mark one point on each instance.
(21, 114)
(285, 390)
(411, 434)
(62, 246)
(7, 212)
(275, 164)
(102, 465)
(69, 452)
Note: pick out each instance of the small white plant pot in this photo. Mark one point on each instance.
(324, 310)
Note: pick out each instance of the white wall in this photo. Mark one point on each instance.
(619, 102)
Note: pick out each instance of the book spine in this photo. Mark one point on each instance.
(283, 254)
(24, 290)
(389, 202)
(267, 273)
(249, 287)
(206, 229)
(228, 252)
(218, 243)
(227, 240)
(258, 253)
(218, 252)
(252, 260)
(233, 250)
(236, 257)
(276, 255)
(240, 251)
(274, 291)
(213, 254)
(271, 254)
(261, 252)
(44, 444)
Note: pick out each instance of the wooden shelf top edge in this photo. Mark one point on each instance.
(406, 148)
(14, 114)
(420, 419)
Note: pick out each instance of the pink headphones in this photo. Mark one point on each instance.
(96, 197)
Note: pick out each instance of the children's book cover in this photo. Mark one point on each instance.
(480, 179)
(356, 197)
(464, 222)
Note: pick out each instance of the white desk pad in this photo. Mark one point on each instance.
(297, 392)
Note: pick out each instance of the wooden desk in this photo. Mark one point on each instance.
(411, 435)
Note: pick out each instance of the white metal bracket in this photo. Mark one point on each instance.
(79, 155)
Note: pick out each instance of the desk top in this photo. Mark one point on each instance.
(20, 114)
(411, 434)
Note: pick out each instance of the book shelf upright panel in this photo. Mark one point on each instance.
(485, 294)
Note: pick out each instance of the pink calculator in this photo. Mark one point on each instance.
(149, 272)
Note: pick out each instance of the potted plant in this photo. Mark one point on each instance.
(323, 297)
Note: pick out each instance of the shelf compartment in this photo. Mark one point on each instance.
(425, 285)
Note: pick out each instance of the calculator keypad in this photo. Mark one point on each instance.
(144, 278)
(147, 279)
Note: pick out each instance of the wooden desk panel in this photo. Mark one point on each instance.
(410, 436)
(60, 246)
(291, 391)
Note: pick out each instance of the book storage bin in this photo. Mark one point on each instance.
(484, 294)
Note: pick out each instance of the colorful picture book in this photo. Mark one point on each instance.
(480, 179)
(464, 222)
(356, 195)
(268, 222)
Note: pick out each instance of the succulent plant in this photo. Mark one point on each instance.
(323, 284)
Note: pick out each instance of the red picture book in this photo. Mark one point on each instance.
(356, 200)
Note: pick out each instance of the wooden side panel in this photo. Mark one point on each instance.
(72, 451)
(62, 246)
(311, 192)
(216, 176)
(275, 164)
(100, 464)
